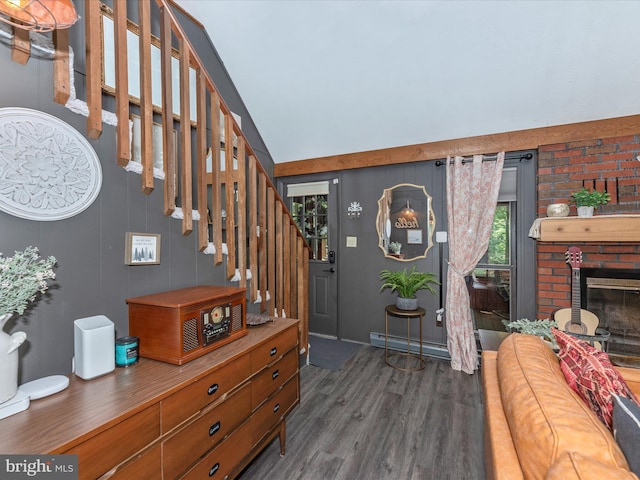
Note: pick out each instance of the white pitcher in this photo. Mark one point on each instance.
(9, 360)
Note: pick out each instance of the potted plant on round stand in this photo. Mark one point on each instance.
(406, 283)
(587, 200)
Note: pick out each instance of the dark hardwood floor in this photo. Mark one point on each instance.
(369, 421)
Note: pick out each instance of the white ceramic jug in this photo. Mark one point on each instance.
(9, 360)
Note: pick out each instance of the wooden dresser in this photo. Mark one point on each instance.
(206, 419)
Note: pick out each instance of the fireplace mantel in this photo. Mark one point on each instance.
(599, 228)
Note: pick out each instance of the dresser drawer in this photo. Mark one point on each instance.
(193, 398)
(272, 378)
(274, 409)
(147, 465)
(195, 438)
(113, 446)
(270, 351)
(224, 458)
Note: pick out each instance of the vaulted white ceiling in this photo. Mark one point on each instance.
(323, 77)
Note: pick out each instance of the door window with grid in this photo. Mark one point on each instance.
(309, 208)
(310, 214)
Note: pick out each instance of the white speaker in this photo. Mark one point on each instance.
(94, 346)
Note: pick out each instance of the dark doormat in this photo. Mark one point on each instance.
(329, 353)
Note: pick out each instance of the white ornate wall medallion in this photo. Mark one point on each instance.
(48, 170)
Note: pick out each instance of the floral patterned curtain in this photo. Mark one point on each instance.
(472, 195)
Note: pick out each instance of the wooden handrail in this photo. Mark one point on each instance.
(277, 253)
(195, 60)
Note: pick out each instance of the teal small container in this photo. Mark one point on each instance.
(127, 351)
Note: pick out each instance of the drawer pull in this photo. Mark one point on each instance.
(214, 469)
(214, 428)
(274, 375)
(212, 389)
(273, 351)
(276, 408)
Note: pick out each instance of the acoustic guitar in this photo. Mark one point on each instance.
(576, 319)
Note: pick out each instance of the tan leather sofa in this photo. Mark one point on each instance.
(536, 426)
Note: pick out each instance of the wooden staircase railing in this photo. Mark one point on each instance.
(257, 219)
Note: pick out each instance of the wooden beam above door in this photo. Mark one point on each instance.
(481, 144)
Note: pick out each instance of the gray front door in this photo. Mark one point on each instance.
(316, 215)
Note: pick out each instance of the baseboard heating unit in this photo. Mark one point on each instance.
(400, 344)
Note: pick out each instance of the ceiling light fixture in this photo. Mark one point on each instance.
(38, 15)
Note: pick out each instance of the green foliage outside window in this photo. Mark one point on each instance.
(498, 251)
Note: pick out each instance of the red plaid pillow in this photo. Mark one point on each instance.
(589, 372)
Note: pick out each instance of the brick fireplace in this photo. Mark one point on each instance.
(609, 164)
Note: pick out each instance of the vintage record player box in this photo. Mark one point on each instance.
(180, 325)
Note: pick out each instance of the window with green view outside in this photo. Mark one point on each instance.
(500, 239)
(493, 272)
(310, 214)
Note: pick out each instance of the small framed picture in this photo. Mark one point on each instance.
(414, 237)
(142, 249)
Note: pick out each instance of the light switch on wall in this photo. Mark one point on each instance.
(352, 241)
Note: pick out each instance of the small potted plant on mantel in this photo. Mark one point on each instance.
(587, 200)
(406, 283)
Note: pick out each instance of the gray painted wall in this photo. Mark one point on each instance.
(360, 266)
(361, 306)
(92, 278)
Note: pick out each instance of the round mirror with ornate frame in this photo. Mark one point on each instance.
(405, 222)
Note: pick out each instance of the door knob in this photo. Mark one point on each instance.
(331, 270)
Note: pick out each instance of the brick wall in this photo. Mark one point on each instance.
(606, 164)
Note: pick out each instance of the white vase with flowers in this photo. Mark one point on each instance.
(22, 278)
